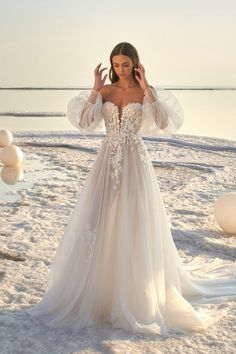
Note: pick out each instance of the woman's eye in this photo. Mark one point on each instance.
(117, 66)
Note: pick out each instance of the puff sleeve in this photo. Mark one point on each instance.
(84, 115)
(163, 116)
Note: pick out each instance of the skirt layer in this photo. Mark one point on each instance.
(117, 261)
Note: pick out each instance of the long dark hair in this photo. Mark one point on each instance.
(130, 51)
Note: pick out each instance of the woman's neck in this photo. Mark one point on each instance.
(126, 83)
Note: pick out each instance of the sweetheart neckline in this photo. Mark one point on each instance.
(122, 107)
(120, 116)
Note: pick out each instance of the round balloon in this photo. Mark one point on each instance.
(6, 137)
(225, 212)
(11, 155)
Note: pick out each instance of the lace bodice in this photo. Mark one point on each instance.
(122, 129)
(127, 122)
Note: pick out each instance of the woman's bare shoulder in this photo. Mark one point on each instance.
(105, 90)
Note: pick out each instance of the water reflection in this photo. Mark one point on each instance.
(12, 174)
(27, 173)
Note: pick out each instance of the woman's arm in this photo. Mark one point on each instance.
(91, 100)
(84, 110)
(84, 115)
(160, 116)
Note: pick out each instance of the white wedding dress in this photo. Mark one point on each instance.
(117, 261)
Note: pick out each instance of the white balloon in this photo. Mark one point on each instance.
(12, 174)
(11, 155)
(225, 212)
(6, 137)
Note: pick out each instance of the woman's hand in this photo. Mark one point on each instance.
(140, 76)
(99, 82)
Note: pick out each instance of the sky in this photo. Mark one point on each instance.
(59, 42)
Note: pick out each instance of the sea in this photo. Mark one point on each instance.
(208, 111)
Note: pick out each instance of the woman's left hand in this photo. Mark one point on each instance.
(141, 77)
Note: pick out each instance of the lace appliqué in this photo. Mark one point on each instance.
(121, 131)
(89, 239)
(116, 155)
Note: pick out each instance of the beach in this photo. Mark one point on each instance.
(192, 172)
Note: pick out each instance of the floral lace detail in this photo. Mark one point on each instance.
(120, 131)
(89, 239)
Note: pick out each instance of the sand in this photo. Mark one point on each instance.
(192, 172)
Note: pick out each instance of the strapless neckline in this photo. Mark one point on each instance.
(121, 109)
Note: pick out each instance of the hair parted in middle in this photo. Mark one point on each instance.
(130, 51)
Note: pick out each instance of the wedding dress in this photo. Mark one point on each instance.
(117, 261)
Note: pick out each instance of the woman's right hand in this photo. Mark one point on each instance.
(99, 82)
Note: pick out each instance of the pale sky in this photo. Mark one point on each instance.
(59, 42)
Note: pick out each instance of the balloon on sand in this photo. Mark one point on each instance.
(11, 156)
(6, 137)
(225, 212)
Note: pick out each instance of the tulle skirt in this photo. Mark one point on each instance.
(117, 262)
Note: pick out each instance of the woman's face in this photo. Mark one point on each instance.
(122, 65)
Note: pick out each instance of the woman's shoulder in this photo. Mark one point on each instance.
(106, 88)
(105, 91)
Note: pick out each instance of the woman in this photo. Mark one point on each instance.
(117, 261)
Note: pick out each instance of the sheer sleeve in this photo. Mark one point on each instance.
(84, 115)
(163, 116)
